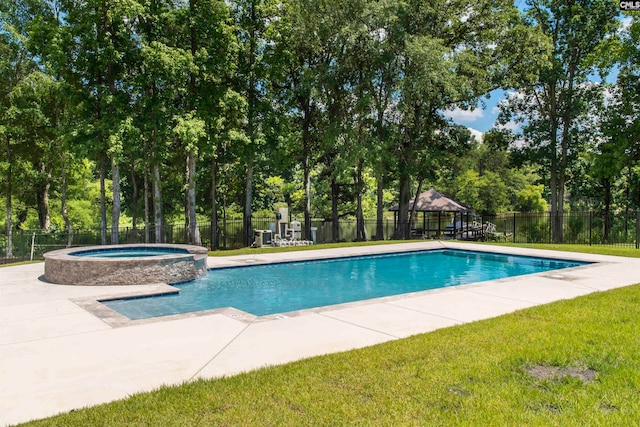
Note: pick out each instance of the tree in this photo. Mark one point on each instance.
(15, 64)
(162, 84)
(626, 111)
(252, 19)
(615, 151)
(378, 57)
(304, 39)
(530, 199)
(189, 130)
(451, 56)
(91, 46)
(577, 30)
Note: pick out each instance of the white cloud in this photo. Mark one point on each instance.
(511, 125)
(461, 115)
(476, 133)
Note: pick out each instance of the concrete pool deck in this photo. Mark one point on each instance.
(59, 351)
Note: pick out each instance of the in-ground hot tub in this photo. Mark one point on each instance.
(136, 264)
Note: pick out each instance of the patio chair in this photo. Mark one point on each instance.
(280, 242)
(492, 234)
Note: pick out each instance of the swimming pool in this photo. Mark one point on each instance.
(279, 288)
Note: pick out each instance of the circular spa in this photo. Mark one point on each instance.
(136, 264)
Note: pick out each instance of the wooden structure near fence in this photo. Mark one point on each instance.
(436, 207)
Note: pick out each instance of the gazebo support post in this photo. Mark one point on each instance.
(395, 223)
(467, 224)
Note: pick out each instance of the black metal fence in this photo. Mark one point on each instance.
(582, 228)
(588, 228)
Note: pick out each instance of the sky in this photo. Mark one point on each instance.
(480, 120)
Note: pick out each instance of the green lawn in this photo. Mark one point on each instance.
(626, 251)
(484, 373)
(13, 264)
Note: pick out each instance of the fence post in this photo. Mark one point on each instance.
(514, 227)
(638, 229)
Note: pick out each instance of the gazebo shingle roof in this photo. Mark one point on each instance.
(434, 201)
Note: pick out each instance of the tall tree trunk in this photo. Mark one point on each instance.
(185, 206)
(194, 232)
(134, 196)
(214, 205)
(115, 209)
(9, 250)
(157, 204)
(335, 225)
(567, 119)
(415, 199)
(360, 228)
(251, 126)
(404, 179)
(560, 219)
(553, 187)
(224, 222)
(248, 201)
(402, 231)
(42, 198)
(380, 207)
(109, 31)
(554, 178)
(607, 208)
(306, 165)
(627, 195)
(405, 163)
(63, 207)
(307, 193)
(146, 205)
(103, 203)
(381, 104)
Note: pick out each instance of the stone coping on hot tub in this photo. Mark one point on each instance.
(188, 263)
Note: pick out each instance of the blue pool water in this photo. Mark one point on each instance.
(129, 252)
(279, 288)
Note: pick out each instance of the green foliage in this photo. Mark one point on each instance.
(486, 194)
(189, 130)
(535, 231)
(466, 186)
(272, 193)
(554, 111)
(530, 199)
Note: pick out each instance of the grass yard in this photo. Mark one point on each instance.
(13, 264)
(627, 251)
(569, 363)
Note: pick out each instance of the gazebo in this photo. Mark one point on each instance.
(432, 201)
